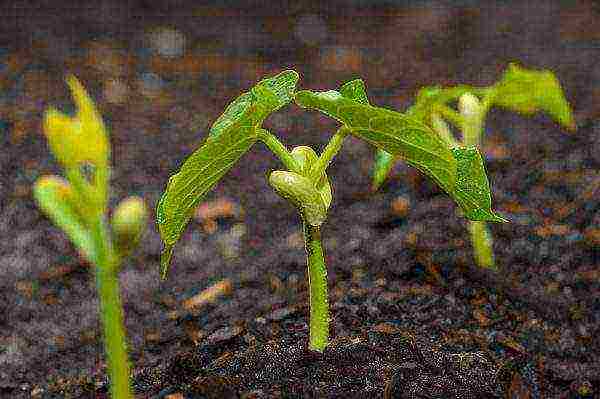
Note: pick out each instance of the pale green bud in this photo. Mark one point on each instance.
(128, 222)
(469, 105)
(300, 191)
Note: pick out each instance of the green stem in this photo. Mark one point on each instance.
(331, 149)
(481, 237)
(279, 150)
(482, 242)
(317, 282)
(472, 130)
(111, 310)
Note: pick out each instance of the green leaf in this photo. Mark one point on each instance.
(384, 161)
(529, 91)
(472, 189)
(355, 90)
(383, 164)
(231, 136)
(459, 172)
(56, 198)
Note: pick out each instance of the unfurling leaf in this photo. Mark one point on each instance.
(529, 91)
(231, 136)
(81, 141)
(57, 199)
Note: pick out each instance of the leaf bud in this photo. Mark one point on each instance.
(128, 222)
(469, 105)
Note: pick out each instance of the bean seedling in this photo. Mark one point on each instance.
(459, 171)
(520, 90)
(78, 205)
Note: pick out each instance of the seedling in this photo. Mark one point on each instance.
(459, 171)
(78, 205)
(521, 90)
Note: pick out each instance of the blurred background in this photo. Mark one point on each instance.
(162, 71)
(152, 56)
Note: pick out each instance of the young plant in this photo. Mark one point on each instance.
(459, 171)
(521, 90)
(78, 205)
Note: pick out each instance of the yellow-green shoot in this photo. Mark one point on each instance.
(520, 90)
(78, 205)
(459, 171)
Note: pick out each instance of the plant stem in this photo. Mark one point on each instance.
(111, 310)
(331, 149)
(481, 237)
(279, 150)
(317, 282)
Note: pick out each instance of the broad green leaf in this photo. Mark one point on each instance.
(300, 191)
(416, 143)
(56, 198)
(273, 93)
(384, 161)
(231, 136)
(529, 91)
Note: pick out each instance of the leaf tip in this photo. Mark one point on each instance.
(498, 219)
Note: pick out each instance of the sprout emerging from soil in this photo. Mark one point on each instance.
(459, 171)
(78, 205)
(520, 90)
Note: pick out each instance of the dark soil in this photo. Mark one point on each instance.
(412, 317)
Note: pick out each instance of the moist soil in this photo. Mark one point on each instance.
(411, 315)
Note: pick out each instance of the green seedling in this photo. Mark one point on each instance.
(459, 171)
(78, 205)
(520, 90)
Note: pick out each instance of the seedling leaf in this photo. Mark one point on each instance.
(81, 140)
(529, 91)
(384, 161)
(230, 137)
(472, 191)
(408, 138)
(55, 197)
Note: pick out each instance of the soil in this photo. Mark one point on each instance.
(412, 317)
